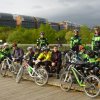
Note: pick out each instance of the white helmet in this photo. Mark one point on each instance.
(29, 48)
(5, 44)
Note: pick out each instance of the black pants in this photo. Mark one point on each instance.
(57, 67)
(47, 65)
(31, 63)
(76, 48)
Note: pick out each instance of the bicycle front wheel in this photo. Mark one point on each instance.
(19, 74)
(92, 86)
(41, 78)
(66, 81)
(3, 69)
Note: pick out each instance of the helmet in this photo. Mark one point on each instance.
(5, 44)
(42, 33)
(29, 48)
(44, 48)
(76, 30)
(81, 47)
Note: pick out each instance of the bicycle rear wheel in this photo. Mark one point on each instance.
(3, 69)
(42, 77)
(66, 81)
(19, 74)
(92, 86)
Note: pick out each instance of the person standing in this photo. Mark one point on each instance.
(95, 45)
(75, 41)
(42, 41)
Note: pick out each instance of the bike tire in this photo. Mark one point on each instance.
(66, 81)
(92, 82)
(42, 77)
(3, 69)
(19, 74)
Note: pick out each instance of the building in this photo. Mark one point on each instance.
(7, 20)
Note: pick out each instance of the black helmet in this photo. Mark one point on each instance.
(44, 48)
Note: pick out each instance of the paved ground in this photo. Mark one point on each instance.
(27, 90)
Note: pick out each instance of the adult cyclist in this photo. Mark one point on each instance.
(96, 41)
(75, 41)
(42, 41)
(44, 58)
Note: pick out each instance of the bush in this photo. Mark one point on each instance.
(29, 36)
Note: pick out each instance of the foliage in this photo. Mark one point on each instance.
(29, 36)
(86, 34)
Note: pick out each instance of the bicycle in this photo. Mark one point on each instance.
(91, 83)
(40, 75)
(8, 65)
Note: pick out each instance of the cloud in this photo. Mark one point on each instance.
(78, 11)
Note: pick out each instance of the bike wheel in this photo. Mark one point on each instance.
(3, 69)
(19, 74)
(66, 81)
(42, 77)
(92, 86)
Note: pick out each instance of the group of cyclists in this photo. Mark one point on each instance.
(52, 59)
(91, 55)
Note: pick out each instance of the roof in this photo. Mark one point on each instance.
(44, 20)
(27, 18)
(6, 16)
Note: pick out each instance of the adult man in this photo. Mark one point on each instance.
(56, 60)
(42, 41)
(96, 41)
(17, 53)
(6, 50)
(75, 41)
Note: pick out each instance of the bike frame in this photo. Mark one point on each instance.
(27, 66)
(7, 62)
(76, 73)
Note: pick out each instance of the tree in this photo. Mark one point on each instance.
(85, 34)
(68, 36)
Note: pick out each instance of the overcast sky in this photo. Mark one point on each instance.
(77, 11)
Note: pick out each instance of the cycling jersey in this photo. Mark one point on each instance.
(44, 56)
(42, 42)
(83, 56)
(7, 51)
(76, 40)
(96, 42)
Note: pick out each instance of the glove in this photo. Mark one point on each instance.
(37, 61)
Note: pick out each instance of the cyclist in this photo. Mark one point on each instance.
(44, 58)
(96, 41)
(30, 56)
(6, 50)
(36, 53)
(42, 41)
(82, 53)
(75, 41)
(56, 60)
(17, 53)
(94, 64)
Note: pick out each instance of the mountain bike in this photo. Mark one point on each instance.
(91, 83)
(8, 65)
(40, 75)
